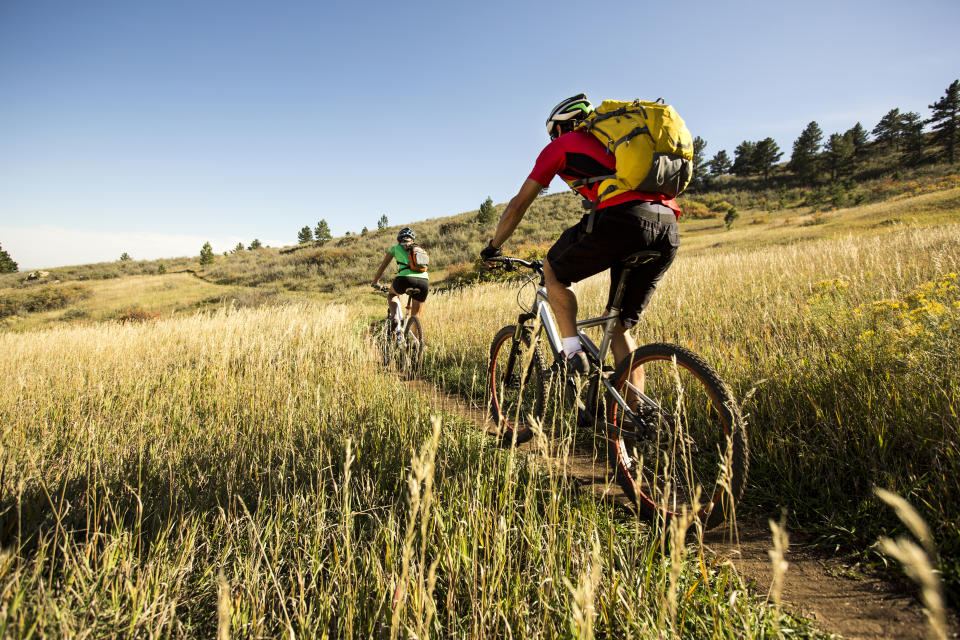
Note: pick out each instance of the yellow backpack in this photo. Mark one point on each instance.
(652, 145)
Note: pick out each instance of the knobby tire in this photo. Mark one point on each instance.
(700, 437)
(412, 348)
(516, 399)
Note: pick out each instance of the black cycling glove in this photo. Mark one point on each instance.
(490, 252)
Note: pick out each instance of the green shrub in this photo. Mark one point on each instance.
(838, 195)
(696, 210)
(41, 299)
(730, 218)
(816, 198)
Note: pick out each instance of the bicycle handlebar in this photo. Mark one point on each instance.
(508, 262)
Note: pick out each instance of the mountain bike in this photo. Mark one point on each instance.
(401, 343)
(671, 428)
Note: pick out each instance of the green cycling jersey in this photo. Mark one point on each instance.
(400, 253)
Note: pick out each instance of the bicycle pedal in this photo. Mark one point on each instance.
(573, 387)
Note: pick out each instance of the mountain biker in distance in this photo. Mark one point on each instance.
(406, 278)
(625, 223)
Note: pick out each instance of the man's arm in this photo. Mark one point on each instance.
(513, 214)
(383, 266)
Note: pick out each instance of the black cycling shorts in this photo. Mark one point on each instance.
(402, 283)
(618, 231)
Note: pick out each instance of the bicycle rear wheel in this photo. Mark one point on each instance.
(691, 436)
(385, 341)
(412, 348)
(517, 381)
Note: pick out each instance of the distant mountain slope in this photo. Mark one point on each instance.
(927, 196)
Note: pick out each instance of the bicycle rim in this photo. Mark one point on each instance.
(517, 385)
(694, 456)
(384, 343)
(412, 347)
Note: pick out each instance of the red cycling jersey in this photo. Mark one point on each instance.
(578, 155)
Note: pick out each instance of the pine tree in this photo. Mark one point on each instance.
(364, 231)
(839, 154)
(305, 235)
(238, 248)
(911, 132)
(765, 155)
(161, 269)
(803, 162)
(487, 213)
(255, 244)
(382, 223)
(887, 131)
(322, 233)
(720, 164)
(946, 121)
(860, 138)
(7, 265)
(206, 254)
(743, 160)
(699, 144)
(125, 257)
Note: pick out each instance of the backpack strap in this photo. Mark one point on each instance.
(585, 181)
(593, 205)
(407, 248)
(633, 133)
(593, 209)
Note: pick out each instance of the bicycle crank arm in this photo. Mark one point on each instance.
(646, 431)
(627, 412)
(646, 434)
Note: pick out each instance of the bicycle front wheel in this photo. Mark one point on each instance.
(517, 381)
(412, 348)
(683, 446)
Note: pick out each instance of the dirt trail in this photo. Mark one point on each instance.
(854, 605)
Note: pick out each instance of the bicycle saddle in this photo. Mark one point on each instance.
(640, 257)
(411, 290)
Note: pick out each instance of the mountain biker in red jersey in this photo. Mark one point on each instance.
(625, 223)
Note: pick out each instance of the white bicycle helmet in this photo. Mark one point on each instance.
(571, 110)
(406, 232)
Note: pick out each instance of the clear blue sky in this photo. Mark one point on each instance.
(151, 126)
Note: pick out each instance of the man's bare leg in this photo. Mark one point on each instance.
(415, 309)
(622, 345)
(563, 302)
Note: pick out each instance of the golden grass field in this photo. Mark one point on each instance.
(111, 298)
(252, 472)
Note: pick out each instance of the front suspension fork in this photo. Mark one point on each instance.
(521, 326)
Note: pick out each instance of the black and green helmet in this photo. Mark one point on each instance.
(571, 110)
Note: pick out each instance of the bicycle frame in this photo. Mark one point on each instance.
(548, 324)
(404, 317)
(542, 309)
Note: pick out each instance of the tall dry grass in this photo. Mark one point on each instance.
(253, 473)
